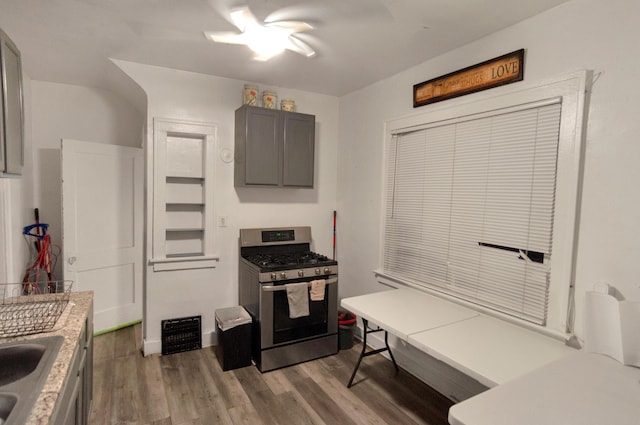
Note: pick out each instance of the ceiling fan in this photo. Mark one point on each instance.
(266, 40)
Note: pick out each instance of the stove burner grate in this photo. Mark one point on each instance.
(295, 259)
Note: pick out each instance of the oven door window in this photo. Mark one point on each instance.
(286, 329)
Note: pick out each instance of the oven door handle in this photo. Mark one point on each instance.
(275, 288)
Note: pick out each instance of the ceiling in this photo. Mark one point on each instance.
(357, 42)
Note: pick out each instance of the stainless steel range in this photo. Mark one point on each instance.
(270, 259)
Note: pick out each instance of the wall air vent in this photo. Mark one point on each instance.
(183, 334)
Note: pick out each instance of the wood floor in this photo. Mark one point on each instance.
(190, 388)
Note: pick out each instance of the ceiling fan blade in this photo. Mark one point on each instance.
(226, 37)
(242, 18)
(296, 45)
(293, 26)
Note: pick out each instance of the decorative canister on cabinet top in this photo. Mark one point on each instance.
(288, 105)
(269, 99)
(250, 95)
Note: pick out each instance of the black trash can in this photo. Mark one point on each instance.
(233, 328)
(347, 329)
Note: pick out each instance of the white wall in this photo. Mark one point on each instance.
(72, 112)
(581, 34)
(202, 98)
(577, 35)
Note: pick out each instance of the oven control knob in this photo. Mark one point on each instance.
(274, 276)
(300, 273)
(283, 275)
(318, 271)
(327, 270)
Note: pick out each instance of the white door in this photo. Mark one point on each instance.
(102, 227)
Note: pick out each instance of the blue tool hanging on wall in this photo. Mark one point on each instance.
(42, 261)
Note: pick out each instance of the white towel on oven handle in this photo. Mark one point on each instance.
(298, 297)
(317, 290)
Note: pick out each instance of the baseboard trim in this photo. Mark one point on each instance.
(116, 328)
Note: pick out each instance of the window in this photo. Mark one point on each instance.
(478, 198)
(470, 208)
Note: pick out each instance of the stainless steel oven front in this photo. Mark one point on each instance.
(274, 309)
(281, 341)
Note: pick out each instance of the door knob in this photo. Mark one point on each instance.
(72, 260)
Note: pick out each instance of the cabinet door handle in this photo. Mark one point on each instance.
(72, 260)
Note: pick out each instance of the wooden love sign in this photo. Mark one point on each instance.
(502, 70)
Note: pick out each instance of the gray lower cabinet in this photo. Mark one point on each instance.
(74, 405)
(274, 148)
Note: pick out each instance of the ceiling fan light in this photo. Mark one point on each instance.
(267, 42)
(265, 48)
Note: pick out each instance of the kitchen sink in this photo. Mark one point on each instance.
(19, 361)
(7, 402)
(25, 367)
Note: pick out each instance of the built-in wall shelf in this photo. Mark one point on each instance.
(184, 164)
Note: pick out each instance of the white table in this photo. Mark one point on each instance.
(489, 350)
(580, 389)
(406, 311)
(402, 312)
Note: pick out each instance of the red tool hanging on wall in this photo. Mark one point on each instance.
(41, 266)
(334, 234)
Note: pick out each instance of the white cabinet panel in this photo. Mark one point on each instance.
(184, 191)
(184, 216)
(184, 244)
(184, 157)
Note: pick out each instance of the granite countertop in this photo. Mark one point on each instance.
(79, 305)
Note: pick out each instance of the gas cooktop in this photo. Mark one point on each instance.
(289, 261)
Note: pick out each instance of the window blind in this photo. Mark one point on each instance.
(469, 208)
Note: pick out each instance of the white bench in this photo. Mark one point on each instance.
(490, 350)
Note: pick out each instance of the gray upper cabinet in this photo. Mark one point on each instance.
(274, 148)
(11, 109)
